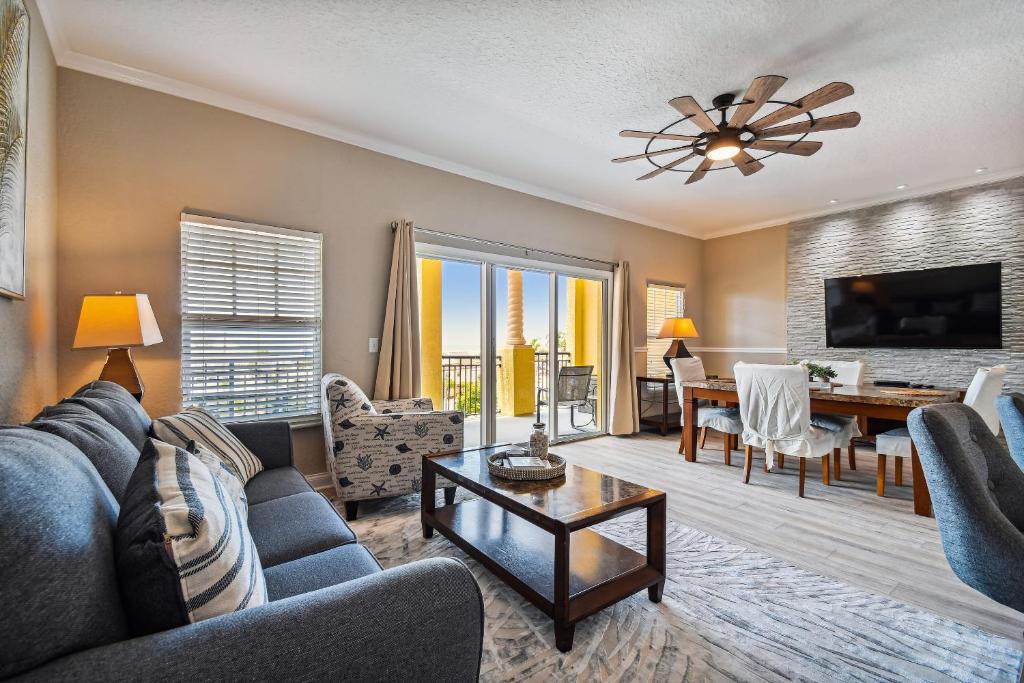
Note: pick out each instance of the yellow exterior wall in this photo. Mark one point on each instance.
(584, 325)
(430, 330)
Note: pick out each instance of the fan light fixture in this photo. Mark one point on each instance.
(735, 135)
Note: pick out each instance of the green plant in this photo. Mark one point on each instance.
(823, 372)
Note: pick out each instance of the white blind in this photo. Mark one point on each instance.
(663, 301)
(250, 319)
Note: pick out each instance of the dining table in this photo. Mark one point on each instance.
(890, 403)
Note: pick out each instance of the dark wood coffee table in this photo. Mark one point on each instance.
(534, 535)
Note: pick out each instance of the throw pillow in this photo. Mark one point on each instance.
(225, 472)
(347, 400)
(196, 424)
(183, 550)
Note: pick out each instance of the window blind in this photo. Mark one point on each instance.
(663, 301)
(250, 319)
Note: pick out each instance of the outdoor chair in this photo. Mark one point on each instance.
(573, 391)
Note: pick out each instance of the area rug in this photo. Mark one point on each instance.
(728, 613)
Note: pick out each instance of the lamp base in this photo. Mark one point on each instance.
(676, 350)
(120, 369)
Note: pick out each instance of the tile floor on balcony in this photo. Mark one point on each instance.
(517, 429)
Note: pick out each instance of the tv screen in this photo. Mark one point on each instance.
(938, 308)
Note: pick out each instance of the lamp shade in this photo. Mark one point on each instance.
(117, 320)
(678, 328)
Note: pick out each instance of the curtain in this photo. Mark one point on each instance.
(625, 413)
(398, 367)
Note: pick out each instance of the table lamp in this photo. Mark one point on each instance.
(677, 329)
(117, 322)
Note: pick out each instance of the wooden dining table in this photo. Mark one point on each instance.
(863, 401)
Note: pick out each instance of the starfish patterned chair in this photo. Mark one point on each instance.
(375, 448)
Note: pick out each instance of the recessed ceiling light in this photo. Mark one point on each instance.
(980, 170)
(901, 187)
(832, 201)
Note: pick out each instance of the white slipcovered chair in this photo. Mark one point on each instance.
(724, 420)
(843, 427)
(981, 395)
(775, 406)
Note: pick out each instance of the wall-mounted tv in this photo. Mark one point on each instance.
(938, 308)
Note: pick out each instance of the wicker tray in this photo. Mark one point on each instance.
(553, 471)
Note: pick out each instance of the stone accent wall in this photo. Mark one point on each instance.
(978, 224)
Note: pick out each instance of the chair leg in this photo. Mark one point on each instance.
(824, 470)
(682, 441)
(449, 494)
(351, 510)
(727, 448)
(748, 457)
(803, 474)
(898, 466)
(880, 486)
(780, 460)
(837, 463)
(703, 437)
(851, 455)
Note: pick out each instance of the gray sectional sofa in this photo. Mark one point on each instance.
(333, 614)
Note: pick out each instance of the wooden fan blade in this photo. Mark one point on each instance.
(760, 91)
(688, 107)
(656, 136)
(848, 120)
(659, 171)
(700, 172)
(747, 164)
(804, 148)
(651, 154)
(820, 97)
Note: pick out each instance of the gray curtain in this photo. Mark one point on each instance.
(398, 367)
(625, 411)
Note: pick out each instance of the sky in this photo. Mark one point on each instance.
(460, 306)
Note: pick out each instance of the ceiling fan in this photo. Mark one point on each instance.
(734, 136)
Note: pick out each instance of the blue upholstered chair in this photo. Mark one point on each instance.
(977, 491)
(1011, 414)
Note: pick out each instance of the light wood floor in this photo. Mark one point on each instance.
(844, 531)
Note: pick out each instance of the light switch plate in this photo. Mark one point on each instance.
(374, 344)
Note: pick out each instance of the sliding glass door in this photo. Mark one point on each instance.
(512, 341)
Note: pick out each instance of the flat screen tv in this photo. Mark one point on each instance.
(938, 308)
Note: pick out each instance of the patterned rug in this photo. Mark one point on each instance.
(728, 613)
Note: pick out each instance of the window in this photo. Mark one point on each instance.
(250, 319)
(663, 301)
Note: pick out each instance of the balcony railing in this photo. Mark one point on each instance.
(460, 379)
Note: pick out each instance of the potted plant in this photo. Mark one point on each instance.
(823, 373)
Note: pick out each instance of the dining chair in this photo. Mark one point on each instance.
(721, 419)
(843, 427)
(977, 493)
(1011, 415)
(981, 396)
(775, 407)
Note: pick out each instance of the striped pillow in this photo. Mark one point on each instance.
(184, 551)
(195, 424)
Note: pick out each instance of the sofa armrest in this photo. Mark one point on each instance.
(271, 441)
(420, 621)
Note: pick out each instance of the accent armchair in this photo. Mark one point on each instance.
(375, 448)
(1011, 415)
(977, 492)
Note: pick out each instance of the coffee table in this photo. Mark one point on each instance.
(534, 535)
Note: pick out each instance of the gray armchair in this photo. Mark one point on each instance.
(978, 494)
(1011, 415)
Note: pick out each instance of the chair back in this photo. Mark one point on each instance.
(1011, 415)
(982, 392)
(977, 492)
(686, 370)
(574, 382)
(848, 372)
(775, 400)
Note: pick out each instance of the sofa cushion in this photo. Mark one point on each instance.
(184, 552)
(321, 570)
(114, 404)
(347, 400)
(58, 584)
(276, 483)
(286, 529)
(110, 451)
(196, 424)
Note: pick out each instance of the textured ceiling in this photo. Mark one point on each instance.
(531, 94)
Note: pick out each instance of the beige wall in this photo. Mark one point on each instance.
(132, 159)
(744, 294)
(28, 361)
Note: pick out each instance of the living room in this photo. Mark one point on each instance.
(386, 248)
